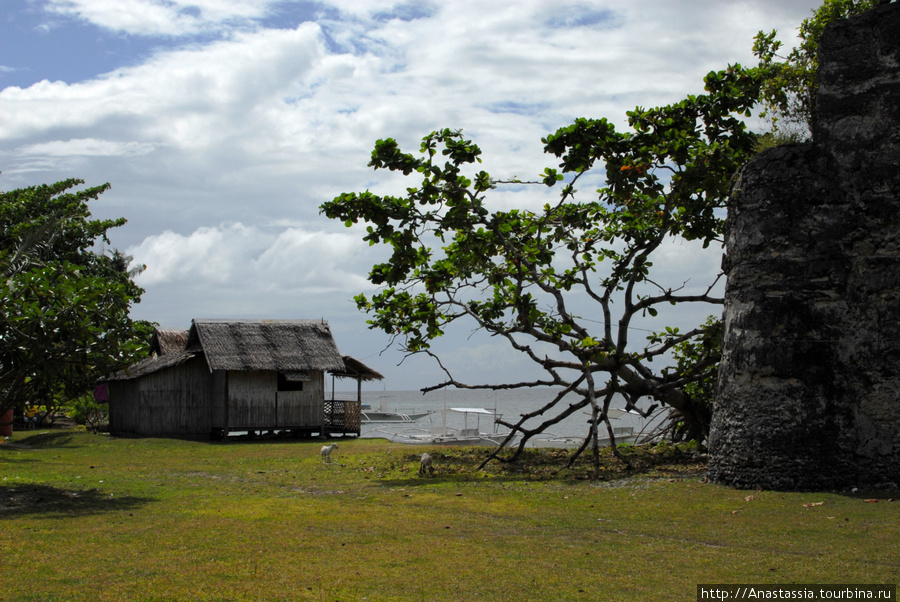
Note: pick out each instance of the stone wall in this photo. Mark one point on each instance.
(809, 384)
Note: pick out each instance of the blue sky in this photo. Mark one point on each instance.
(222, 125)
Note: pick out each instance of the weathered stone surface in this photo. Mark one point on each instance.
(809, 386)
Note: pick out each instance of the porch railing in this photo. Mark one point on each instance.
(343, 417)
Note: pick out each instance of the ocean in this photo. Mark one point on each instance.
(510, 403)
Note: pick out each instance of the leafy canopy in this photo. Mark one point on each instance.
(65, 319)
(526, 275)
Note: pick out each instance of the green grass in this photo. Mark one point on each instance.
(92, 517)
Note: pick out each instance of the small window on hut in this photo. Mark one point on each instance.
(292, 381)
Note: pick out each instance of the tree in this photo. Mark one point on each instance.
(698, 356)
(526, 275)
(65, 319)
(790, 84)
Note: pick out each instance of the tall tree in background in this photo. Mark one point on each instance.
(564, 285)
(528, 276)
(65, 319)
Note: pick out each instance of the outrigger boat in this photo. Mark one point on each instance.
(382, 415)
(448, 435)
(623, 434)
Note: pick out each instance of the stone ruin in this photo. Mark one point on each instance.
(809, 383)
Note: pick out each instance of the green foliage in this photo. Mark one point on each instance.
(85, 410)
(696, 364)
(779, 137)
(790, 84)
(519, 274)
(65, 316)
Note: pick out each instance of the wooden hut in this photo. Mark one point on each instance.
(233, 375)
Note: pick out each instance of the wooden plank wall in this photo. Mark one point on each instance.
(255, 402)
(176, 401)
(187, 399)
(251, 399)
(304, 408)
(218, 415)
(297, 409)
(121, 415)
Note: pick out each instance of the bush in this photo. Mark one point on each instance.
(88, 412)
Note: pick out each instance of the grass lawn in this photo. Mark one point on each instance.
(90, 517)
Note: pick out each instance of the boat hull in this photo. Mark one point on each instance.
(485, 440)
(390, 417)
(575, 442)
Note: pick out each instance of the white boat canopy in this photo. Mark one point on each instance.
(614, 413)
(473, 411)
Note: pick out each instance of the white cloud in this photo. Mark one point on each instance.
(232, 125)
(202, 256)
(678, 263)
(160, 17)
(189, 98)
(290, 260)
(234, 270)
(306, 261)
(87, 147)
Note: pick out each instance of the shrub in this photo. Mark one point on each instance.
(86, 411)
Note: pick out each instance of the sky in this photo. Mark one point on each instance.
(223, 125)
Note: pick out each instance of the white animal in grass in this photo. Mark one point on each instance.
(326, 452)
(425, 464)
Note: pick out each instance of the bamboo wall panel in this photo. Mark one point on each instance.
(303, 408)
(218, 416)
(251, 399)
(176, 400)
(299, 409)
(173, 401)
(188, 399)
(316, 386)
(122, 416)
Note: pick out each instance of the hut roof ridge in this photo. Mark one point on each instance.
(283, 345)
(166, 341)
(286, 346)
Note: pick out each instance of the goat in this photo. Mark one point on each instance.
(326, 452)
(425, 464)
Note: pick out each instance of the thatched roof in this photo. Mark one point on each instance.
(356, 369)
(151, 365)
(283, 345)
(165, 342)
(287, 346)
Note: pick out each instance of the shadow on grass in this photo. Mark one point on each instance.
(29, 499)
(62, 438)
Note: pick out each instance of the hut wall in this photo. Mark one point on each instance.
(218, 413)
(124, 414)
(189, 400)
(251, 399)
(254, 401)
(176, 401)
(304, 408)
